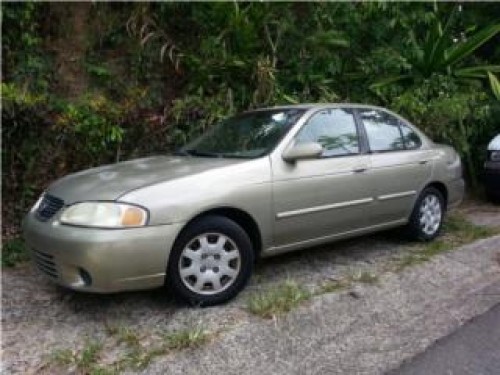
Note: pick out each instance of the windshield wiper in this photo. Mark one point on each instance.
(237, 156)
(194, 152)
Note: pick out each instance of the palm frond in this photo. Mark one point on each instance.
(465, 49)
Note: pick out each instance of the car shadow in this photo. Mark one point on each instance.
(319, 261)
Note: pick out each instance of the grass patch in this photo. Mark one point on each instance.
(186, 338)
(85, 360)
(465, 231)
(63, 357)
(365, 278)
(277, 300)
(332, 286)
(457, 231)
(424, 253)
(136, 357)
(88, 356)
(14, 252)
(128, 336)
(139, 357)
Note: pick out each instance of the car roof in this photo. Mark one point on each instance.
(319, 106)
(307, 106)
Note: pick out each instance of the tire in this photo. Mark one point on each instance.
(427, 216)
(211, 261)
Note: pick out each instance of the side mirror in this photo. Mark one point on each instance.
(309, 150)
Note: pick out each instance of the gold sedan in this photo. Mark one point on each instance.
(258, 184)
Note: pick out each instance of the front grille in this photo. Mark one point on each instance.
(48, 207)
(45, 263)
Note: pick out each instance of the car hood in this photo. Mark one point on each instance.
(109, 182)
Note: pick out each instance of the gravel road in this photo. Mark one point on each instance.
(339, 334)
(333, 333)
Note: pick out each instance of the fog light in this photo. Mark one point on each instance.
(87, 279)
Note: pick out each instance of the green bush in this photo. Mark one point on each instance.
(460, 116)
(45, 137)
(151, 82)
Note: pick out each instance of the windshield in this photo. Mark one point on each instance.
(248, 135)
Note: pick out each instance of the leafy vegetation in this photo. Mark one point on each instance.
(440, 53)
(91, 83)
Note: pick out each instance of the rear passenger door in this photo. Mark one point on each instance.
(399, 166)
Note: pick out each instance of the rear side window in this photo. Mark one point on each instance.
(387, 133)
(382, 130)
(411, 139)
(334, 129)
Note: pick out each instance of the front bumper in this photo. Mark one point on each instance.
(100, 260)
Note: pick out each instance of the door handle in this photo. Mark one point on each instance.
(423, 162)
(359, 170)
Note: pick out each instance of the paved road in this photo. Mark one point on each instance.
(473, 349)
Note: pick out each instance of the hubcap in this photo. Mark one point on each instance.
(430, 214)
(209, 263)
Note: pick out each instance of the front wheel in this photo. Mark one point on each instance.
(427, 216)
(210, 262)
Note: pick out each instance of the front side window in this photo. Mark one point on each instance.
(334, 129)
(382, 130)
(248, 135)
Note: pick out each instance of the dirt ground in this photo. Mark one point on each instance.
(39, 319)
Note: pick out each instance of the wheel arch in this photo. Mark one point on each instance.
(240, 217)
(441, 187)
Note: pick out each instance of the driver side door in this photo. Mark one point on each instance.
(322, 198)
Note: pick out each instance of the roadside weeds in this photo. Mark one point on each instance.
(457, 231)
(280, 299)
(136, 356)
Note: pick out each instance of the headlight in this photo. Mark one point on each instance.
(105, 215)
(495, 156)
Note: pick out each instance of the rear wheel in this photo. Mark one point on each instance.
(211, 261)
(427, 216)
